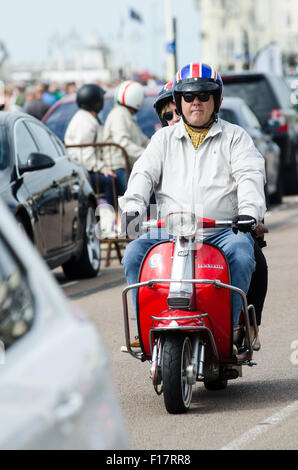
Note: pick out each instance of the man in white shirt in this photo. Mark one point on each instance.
(205, 162)
(85, 128)
(122, 128)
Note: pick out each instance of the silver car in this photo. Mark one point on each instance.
(55, 383)
(236, 111)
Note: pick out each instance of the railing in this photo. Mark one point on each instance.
(126, 161)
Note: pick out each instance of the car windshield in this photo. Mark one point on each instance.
(228, 115)
(255, 91)
(60, 118)
(283, 91)
(250, 118)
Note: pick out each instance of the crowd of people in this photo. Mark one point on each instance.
(33, 98)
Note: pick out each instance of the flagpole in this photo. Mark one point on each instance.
(170, 41)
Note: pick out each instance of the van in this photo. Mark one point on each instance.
(269, 96)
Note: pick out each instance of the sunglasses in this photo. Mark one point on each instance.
(170, 115)
(202, 96)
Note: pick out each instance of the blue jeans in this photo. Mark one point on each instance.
(239, 250)
(105, 184)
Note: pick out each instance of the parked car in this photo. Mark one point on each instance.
(292, 81)
(56, 392)
(50, 196)
(270, 98)
(60, 114)
(236, 111)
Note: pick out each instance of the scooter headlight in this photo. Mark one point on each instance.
(181, 224)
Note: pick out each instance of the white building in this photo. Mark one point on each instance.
(234, 31)
(69, 60)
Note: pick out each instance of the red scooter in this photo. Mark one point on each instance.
(184, 314)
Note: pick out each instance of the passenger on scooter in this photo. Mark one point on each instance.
(200, 161)
(165, 106)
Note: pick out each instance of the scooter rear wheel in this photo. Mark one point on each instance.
(215, 384)
(177, 391)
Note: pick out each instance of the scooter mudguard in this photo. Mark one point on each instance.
(209, 263)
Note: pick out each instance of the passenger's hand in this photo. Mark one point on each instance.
(243, 223)
(130, 224)
(109, 172)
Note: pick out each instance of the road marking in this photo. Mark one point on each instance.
(95, 290)
(72, 283)
(262, 427)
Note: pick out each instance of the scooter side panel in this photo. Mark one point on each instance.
(210, 263)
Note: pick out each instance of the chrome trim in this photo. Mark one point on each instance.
(201, 361)
(182, 267)
(179, 318)
(151, 283)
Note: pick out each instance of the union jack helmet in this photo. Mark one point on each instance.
(164, 96)
(198, 77)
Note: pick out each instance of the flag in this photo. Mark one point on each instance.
(269, 60)
(135, 15)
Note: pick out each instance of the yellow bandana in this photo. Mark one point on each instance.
(197, 137)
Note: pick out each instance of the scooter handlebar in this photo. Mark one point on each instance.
(202, 223)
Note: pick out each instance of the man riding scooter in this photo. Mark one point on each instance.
(166, 110)
(205, 162)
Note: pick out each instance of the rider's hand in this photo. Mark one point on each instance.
(130, 224)
(243, 223)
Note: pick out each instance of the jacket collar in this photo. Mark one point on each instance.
(181, 132)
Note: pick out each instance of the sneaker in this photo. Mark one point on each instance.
(135, 345)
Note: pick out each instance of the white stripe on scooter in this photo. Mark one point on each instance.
(262, 427)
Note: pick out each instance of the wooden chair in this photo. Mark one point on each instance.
(112, 242)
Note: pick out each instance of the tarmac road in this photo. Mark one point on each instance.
(256, 411)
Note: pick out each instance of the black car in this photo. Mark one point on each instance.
(50, 196)
(60, 114)
(270, 98)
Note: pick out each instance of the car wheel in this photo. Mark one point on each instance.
(276, 197)
(22, 226)
(290, 176)
(88, 263)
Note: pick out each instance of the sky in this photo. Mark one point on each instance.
(30, 27)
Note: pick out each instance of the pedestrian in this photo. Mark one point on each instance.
(202, 161)
(121, 128)
(37, 107)
(85, 128)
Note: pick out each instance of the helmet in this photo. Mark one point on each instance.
(198, 77)
(130, 93)
(90, 97)
(164, 96)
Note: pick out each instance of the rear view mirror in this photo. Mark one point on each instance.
(37, 161)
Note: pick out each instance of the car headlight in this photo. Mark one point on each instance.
(181, 224)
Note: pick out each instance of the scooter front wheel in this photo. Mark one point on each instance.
(176, 358)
